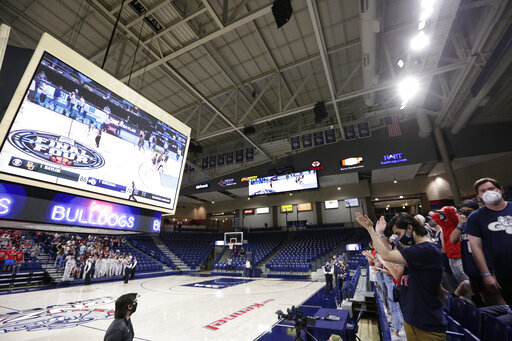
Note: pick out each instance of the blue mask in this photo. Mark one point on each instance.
(407, 239)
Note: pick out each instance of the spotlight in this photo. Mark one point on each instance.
(426, 12)
(419, 42)
(408, 88)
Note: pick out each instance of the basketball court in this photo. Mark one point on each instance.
(171, 307)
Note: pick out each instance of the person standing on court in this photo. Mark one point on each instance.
(328, 272)
(121, 329)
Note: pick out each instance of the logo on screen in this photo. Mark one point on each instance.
(55, 148)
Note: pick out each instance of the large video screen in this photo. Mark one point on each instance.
(283, 183)
(72, 131)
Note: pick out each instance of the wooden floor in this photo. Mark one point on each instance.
(368, 329)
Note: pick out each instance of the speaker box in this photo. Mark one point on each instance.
(249, 130)
(282, 10)
(195, 147)
(320, 112)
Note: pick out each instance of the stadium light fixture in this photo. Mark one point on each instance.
(408, 88)
(420, 41)
(426, 12)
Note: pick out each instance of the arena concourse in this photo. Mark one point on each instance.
(256, 170)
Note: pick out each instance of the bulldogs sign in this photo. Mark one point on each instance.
(55, 148)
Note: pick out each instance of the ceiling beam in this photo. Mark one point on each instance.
(247, 19)
(313, 13)
(309, 59)
(213, 14)
(344, 97)
(158, 35)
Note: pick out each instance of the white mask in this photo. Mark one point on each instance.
(491, 197)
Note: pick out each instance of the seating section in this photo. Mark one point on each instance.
(261, 245)
(144, 262)
(191, 248)
(467, 322)
(23, 278)
(147, 245)
(305, 248)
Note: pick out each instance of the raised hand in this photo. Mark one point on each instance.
(381, 225)
(364, 221)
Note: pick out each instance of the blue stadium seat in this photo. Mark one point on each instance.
(494, 329)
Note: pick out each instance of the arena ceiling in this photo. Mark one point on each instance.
(222, 65)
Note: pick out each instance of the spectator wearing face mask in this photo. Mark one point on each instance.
(448, 219)
(490, 228)
(420, 290)
(482, 295)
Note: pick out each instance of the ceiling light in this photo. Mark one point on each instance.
(401, 197)
(421, 25)
(427, 3)
(426, 12)
(400, 63)
(408, 88)
(420, 41)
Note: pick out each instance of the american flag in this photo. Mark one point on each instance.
(393, 126)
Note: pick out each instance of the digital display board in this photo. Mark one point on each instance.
(283, 183)
(331, 204)
(353, 247)
(351, 163)
(351, 202)
(74, 128)
(24, 203)
(286, 208)
(304, 207)
(262, 210)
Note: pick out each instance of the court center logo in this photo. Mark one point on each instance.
(55, 148)
(57, 316)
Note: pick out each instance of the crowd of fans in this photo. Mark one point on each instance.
(88, 256)
(14, 249)
(466, 251)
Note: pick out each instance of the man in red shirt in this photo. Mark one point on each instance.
(448, 219)
(9, 261)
